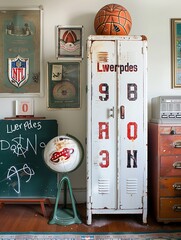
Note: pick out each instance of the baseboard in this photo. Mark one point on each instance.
(79, 195)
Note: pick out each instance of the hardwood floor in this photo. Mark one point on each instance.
(26, 218)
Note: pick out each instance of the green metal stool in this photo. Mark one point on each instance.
(65, 215)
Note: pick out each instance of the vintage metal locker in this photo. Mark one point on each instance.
(117, 126)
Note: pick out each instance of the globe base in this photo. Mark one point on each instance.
(65, 216)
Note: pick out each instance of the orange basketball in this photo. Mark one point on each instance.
(112, 19)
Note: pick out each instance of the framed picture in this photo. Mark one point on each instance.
(176, 52)
(64, 84)
(24, 107)
(69, 42)
(21, 52)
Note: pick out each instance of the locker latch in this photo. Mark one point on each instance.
(111, 112)
(122, 112)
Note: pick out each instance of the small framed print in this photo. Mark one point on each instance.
(24, 107)
(64, 84)
(69, 42)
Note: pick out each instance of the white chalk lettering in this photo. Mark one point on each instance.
(20, 145)
(27, 125)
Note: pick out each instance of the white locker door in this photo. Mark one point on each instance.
(131, 141)
(104, 128)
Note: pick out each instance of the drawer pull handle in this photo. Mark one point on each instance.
(172, 132)
(177, 144)
(177, 208)
(177, 165)
(177, 186)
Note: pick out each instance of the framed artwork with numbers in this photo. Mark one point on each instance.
(24, 107)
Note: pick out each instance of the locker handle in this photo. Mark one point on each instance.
(177, 186)
(122, 112)
(177, 208)
(177, 164)
(111, 112)
(177, 144)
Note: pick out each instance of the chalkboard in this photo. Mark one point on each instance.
(23, 172)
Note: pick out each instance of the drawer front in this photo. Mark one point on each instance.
(170, 130)
(170, 144)
(170, 187)
(170, 166)
(170, 208)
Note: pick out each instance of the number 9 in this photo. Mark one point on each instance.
(104, 89)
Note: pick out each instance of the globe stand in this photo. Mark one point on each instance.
(65, 215)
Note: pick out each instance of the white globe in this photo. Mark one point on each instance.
(63, 154)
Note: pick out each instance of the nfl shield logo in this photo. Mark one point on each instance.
(18, 70)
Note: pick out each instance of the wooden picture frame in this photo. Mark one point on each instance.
(64, 84)
(176, 52)
(69, 42)
(21, 52)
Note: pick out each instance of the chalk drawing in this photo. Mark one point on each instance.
(20, 145)
(14, 172)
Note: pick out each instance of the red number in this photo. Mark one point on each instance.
(104, 89)
(105, 159)
(132, 130)
(25, 107)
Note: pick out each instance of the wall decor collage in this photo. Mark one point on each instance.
(21, 68)
(64, 75)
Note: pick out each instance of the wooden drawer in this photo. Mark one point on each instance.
(170, 187)
(170, 130)
(170, 144)
(170, 208)
(170, 166)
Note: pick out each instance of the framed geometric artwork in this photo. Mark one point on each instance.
(64, 84)
(21, 52)
(176, 52)
(69, 42)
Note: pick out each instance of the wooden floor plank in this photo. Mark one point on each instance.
(29, 217)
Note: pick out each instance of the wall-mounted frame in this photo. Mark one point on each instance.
(64, 84)
(176, 52)
(69, 42)
(24, 107)
(21, 52)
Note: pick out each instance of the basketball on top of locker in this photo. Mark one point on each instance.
(112, 19)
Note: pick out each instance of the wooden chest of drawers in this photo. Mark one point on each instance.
(164, 146)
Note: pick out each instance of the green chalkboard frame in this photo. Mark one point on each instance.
(23, 172)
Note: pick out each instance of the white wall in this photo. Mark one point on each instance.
(150, 18)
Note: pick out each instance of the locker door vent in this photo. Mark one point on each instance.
(131, 186)
(103, 186)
